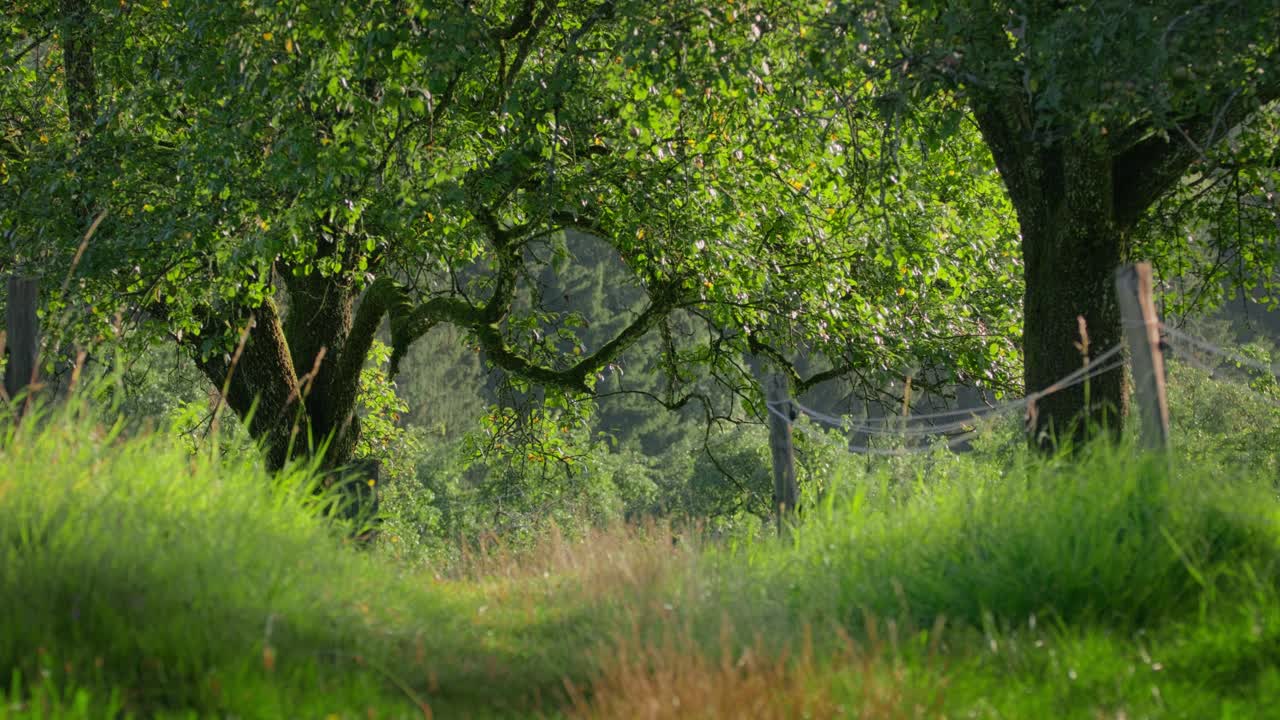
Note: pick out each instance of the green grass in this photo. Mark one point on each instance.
(171, 582)
(1108, 584)
(136, 579)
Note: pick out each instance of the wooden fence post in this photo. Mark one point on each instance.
(22, 343)
(786, 492)
(1142, 330)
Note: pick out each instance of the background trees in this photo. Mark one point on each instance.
(614, 201)
(273, 180)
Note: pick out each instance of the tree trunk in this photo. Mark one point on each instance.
(23, 336)
(1079, 190)
(317, 329)
(1070, 265)
(258, 382)
(1072, 241)
(295, 379)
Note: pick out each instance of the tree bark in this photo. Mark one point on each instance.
(317, 329)
(77, 60)
(259, 383)
(1072, 241)
(291, 379)
(294, 414)
(23, 336)
(1070, 258)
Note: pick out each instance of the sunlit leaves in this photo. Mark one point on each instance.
(730, 160)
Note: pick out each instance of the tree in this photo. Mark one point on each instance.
(279, 179)
(1094, 112)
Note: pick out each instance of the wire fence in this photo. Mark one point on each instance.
(1231, 365)
(954, 428)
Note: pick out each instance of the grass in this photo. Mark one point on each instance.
(138, 580)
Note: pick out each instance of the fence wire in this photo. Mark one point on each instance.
(963, 421)
(1209, 348)
(953, 428)
(1189, 346)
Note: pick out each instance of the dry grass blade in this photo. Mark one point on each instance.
(606, 561)
(677, 678)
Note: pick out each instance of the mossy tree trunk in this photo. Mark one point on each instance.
(1072, 242)
(296, 377)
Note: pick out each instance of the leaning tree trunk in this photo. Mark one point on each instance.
(295, 377)
(259, 384)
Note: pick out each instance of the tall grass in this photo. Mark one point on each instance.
(1111, 537)
(138, 578)
(1010, 589)
(129, 567)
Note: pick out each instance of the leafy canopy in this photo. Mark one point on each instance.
(436, 153)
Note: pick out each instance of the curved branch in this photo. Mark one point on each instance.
(410, 323)
(799, 385)
(381, 297)
(1151, 167)
(579, 377)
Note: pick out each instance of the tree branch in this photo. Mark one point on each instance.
(1151, 167)
(521, 22)
(408, 324)
(799, 385)
(381, 297)
(576, 378)
(1005, 124)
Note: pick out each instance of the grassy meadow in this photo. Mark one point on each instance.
(419, 359)
(139, 580)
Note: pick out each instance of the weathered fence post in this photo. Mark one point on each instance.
(22, 342)
(1142, 330)
(786, 492)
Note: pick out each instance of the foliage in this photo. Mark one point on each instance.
(444, 383)
(1216, 414)
(434, 156)
(1208, 238)
(382, 437)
